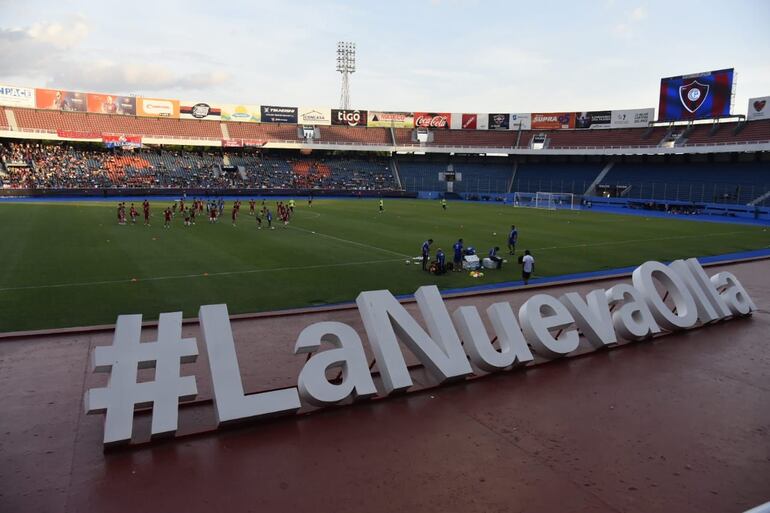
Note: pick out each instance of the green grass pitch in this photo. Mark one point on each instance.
(71, 264)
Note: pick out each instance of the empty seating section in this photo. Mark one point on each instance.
(51, 121)
(3, 120)
(263, 131)
(101, 123)
(354, 135)
(725, 133)
(605, 137)
(476, 177)
(555, 177)
(736, 183)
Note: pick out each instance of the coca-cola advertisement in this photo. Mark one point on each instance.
(349, 117)
(432, 119)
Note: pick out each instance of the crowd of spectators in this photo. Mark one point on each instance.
(62, 166)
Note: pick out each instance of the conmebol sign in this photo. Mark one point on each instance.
(660, 299)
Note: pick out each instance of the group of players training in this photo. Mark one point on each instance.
(214, 210)
(440, 265)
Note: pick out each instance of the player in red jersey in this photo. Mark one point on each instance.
(146, 209)
(213, 214)
(133, 213)
(192, 214)
(119, 214)
(167, 218)
(186, 216)
(234, 214)
(252, 203)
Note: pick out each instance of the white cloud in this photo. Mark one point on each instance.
(58, 34)
(627, 28)
(53, 54)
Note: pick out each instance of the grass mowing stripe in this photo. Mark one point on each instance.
(199, 275)
(322, 266)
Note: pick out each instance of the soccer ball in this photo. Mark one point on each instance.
(494, 234)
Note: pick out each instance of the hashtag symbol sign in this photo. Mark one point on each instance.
(123, 393)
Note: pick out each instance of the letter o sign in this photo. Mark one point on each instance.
(644, 278)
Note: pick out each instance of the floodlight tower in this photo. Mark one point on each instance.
(346, 64)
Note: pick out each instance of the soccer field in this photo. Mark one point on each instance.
(71, 264)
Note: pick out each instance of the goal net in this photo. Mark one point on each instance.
(546, 200)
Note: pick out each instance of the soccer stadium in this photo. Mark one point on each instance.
(208, 305)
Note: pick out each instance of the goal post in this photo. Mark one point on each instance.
(546, 200)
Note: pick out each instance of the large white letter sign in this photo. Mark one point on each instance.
(348, 355)
(632, 318)
(387, 321)
(706, 311)
(513, 347)
(123, 393)
(592, 316)
(542, 313)
(230, 401)
(686, 314)
(711, 291)
(738, 300)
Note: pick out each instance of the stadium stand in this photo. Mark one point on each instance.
(734, 182)
(53, 121)
(574, 178)
(59, 166)
(476, 177)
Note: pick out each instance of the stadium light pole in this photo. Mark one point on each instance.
(346, 64)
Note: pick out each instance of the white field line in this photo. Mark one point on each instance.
(323, 266)
(350, 242)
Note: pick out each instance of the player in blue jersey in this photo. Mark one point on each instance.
(457, 262)
(440, 261)
(426, 253)
(513, 237)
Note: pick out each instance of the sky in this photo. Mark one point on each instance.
(418, 55)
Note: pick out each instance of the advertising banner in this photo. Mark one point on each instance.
(315, 116)
(391, 119)
(275, 114)
(73, 134)
(632, 118)
(349, 117)
(57, 99)
(122, 141)
(470, 122)
(499, 121)
(111, 104)
(199, 110)
(232, 143)
(240, 112)
(432, 119)
(482, 121)
(696, 96)
(254, 142)
(593, 119)
(456, 122)
(759, 108)
(552, 120)
(521, 121)
(157, 107)
(13, 96)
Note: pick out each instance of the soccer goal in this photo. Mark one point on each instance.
(554, 200)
